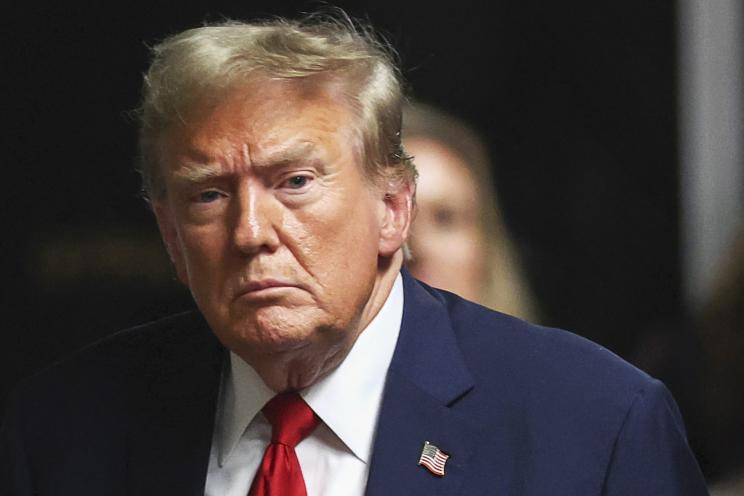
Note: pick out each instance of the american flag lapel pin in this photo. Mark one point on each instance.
(433, 459)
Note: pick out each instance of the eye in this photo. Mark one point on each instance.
(445, 217)
(297, 182)
(208, 196)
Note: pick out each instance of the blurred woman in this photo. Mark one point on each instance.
(459, 241)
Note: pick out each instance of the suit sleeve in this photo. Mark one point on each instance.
(15, 479)
(651, 455)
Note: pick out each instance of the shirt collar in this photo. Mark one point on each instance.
(348, 399)
(243, 395)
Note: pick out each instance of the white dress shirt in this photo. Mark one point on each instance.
(335, 457)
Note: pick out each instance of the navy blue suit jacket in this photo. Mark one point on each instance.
(520, 409)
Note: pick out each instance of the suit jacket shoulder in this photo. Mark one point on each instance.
(537, 370)
(524, 409)
(92, 423)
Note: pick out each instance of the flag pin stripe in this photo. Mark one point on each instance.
(433, 459)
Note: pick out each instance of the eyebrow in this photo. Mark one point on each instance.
(292, 152)
(200, 169)
(197, 171)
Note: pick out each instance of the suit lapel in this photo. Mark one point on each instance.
(171, 437)
(427, 374)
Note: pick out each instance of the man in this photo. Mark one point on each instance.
(314, 365)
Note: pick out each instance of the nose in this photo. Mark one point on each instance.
(257, 219)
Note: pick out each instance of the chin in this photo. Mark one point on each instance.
(275, 330)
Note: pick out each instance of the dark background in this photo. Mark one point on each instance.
(577, 101)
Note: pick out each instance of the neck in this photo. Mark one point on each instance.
(300, 368)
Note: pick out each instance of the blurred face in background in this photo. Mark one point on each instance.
(447, 241)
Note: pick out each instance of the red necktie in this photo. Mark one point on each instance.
(280, 473)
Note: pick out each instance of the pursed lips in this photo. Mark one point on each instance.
(254, 287)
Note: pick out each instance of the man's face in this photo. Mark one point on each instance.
(269, 219)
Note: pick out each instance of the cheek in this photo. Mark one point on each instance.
(466, 247)
(460, 258)
(337, 245)
(336, 232)
(204, 248)
(453, 259)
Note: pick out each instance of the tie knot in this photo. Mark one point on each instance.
(292, 420)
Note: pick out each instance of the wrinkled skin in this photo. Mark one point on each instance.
(288, 250)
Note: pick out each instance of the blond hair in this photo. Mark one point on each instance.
(202, 65)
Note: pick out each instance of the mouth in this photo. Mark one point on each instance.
(264, 288)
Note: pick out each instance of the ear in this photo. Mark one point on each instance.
(397, 217)
(171, 239)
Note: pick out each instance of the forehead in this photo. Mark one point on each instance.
(264, 119)
(443, 174)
